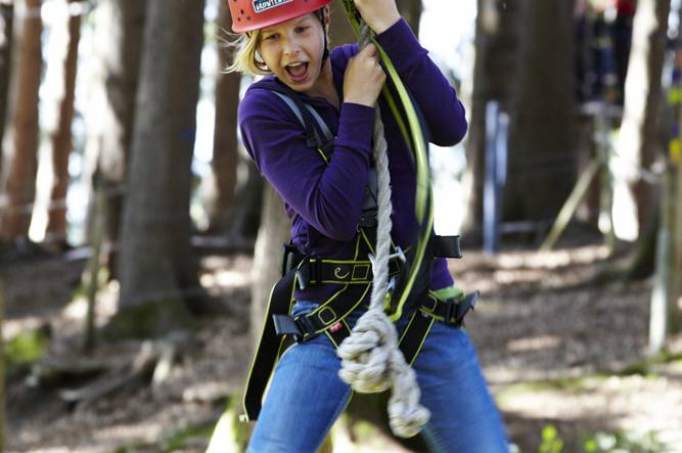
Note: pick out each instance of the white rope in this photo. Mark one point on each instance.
(370, 358)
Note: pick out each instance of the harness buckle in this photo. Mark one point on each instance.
(309, 271)
(305, 328)
(284, 325)
(290, 258)
(451, 312)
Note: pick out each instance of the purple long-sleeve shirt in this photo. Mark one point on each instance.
(325, 200)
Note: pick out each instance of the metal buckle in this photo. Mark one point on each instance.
(450, 311)
(306, 327)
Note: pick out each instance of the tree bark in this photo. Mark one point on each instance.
(157, 267)
(273, 232)
(639, 138)
(543, 123)
(495, 75)
(61, 135)
(225, 155)
(119, 30)
(676, 271)
(21, 138)
(6, 22)
(2, 367)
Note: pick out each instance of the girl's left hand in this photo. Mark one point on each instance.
(379, 14)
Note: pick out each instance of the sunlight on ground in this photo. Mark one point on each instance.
(552, 259)
(534, 343)
(105, 305)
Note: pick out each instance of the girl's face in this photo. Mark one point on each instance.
(293, 51)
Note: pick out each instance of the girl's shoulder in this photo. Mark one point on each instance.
(261, 100)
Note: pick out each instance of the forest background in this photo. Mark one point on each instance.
(138, 242)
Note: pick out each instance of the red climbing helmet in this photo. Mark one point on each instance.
(249, 15)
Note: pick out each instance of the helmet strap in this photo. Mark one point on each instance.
(321, 15)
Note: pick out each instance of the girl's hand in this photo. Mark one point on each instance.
(364, 78)
(379, 14)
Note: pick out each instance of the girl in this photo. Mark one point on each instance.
(329, 195)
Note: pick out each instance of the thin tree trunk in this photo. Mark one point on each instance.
(638, 139)
(21, 138)
(225, 155)
(157, 269)
(119, 31)
(61, 136)
(2, 367)
(676, 272)
(6, 22)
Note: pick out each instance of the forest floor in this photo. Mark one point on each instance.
(564, 355)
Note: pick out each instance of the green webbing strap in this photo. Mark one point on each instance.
(423, 205)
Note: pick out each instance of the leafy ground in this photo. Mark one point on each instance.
(565, 358)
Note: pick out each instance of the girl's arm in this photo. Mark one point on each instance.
(328, 196)
(437, 99)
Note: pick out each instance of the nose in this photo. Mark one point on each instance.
(291, 46)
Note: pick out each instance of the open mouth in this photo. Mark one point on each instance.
(297, 71)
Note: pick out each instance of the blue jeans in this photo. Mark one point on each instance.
(306, 395)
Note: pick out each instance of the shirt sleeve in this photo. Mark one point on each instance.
(327, 196)
(443, 112)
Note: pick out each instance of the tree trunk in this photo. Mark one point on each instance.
(157, 269)
(543, 123)
(6, 22)
(273, 232)
(20, 143)
(119, 30)
(495, 69)
(225, 155)
(638, 140)
(676, 271)
(2, 367)
(61, 135)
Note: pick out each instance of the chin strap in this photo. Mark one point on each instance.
(371, 359)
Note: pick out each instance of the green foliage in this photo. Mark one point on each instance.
(551, 442)
(27, 347)
(621, 442)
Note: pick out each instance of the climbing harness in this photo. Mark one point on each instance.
(354, 275)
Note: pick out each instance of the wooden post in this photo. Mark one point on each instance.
(676, 272)
(661, 316)
(572, 204)
(91, 277)
(2, 368)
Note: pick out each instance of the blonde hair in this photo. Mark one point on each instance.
(246, 58)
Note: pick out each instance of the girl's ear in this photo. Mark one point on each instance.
(260, 63)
